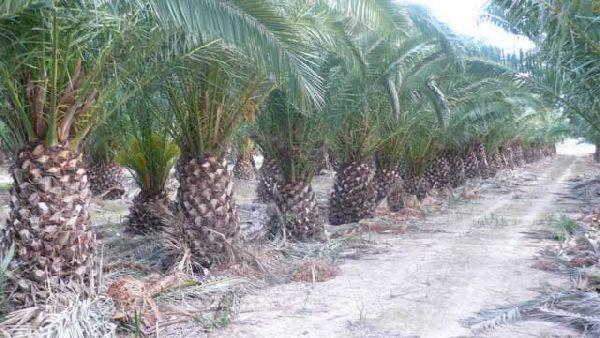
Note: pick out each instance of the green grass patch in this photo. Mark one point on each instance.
(562, 225)
(5, 187)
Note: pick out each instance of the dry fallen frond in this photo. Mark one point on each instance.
(577, 309)
(315, 271)
(65, 314)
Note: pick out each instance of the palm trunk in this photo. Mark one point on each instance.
(508, 157)
(457, 170)
(299, 212)
(205, 197)
(438, 172)
(145, 214)
(49, 223)
(244, 167)
(471, 164)
(496, 162)
(267, 180)
(518, 155)
(353, 194)
(530, 154)
(385, 180)
(416, 185)
(106, 180)
(395, 199)
(485, 168)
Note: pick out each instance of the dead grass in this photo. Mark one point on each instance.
(314, 271)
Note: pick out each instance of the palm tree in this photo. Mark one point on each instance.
(295, 140)
(149, 154)
(60, 63)
(208, 100)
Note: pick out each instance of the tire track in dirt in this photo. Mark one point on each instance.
(429, 281)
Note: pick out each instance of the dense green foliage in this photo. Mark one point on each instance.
(565, 65)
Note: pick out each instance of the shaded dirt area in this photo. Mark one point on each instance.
(460, 258)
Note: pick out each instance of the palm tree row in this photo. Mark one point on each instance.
(384, 87)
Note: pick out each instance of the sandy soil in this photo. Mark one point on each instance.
(470, 256)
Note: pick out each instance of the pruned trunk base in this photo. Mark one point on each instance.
(471, 164)
(385, 181)
(298, 212)
(106, 180)
(244, 168)
(416, 185)
(49, 224)
(146, 214)
(206, 200)
(438, 172)
(267, 180)
(353, 195)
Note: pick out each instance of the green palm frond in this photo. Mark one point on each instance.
(295, 139)
(256, 27)
(208, 100)
(150, 160)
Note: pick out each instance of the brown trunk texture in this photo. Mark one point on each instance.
(353, 194)
(244, 166)
(395, 199)
(518, 155)
(457, 170)
(267, 180)
(438, 172)
(48, 224)
(484, 167)
(416, 185)
(531, 154)
(497, 162)
(509, 159)
(205, 197)
(147, 211)
(385, 181)
(298, 211)
(106, 180)
(471, 164)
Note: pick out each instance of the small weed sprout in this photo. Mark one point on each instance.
(562, 225)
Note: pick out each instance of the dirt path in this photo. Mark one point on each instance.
(475, 255)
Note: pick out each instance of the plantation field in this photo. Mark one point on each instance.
(467, 256)
(426, 271)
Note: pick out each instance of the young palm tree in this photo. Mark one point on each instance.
(149, 154)
(388, 158)
(295, 141)
(418, 153)
(356, 138)
(149, 158)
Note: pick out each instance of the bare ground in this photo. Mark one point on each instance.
(469, 256)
